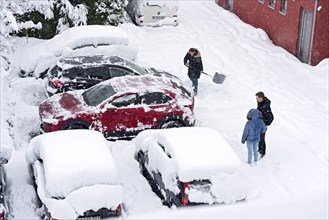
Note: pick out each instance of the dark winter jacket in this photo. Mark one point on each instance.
(195, 66)
(254, 127)
(265, 108)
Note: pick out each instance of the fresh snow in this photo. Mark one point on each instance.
(203, 154)
(291, 182)
(80, 40)
(73, 159)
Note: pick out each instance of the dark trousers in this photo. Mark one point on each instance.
(262, 144)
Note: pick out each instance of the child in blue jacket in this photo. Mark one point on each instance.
(252, 130)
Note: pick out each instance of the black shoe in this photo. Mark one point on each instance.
(261, 156)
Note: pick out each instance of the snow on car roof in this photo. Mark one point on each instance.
(73, 159)
(95, 60)
(70, 40)
(168, 3)
(140, 83)
(197, 153)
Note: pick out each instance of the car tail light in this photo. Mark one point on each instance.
(49, 216)
(2, 215)
(184, 195)
(118, 211)
(56, 83)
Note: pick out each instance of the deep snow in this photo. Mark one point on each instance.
(291, 181)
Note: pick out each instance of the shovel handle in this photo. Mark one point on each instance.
(206, 74)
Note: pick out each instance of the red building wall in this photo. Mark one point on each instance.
(321, 35)
(283, 29)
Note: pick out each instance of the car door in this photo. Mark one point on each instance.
(119, 116)
(155, 106)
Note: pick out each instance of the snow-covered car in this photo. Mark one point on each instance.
(120, 107)
(83, 72)
(3, 203)
(75, 41)
(153, 12)
(75, 175)
(181, 164)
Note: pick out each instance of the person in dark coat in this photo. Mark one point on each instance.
(264, 106)
(193, 61)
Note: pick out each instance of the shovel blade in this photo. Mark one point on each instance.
(218, 78)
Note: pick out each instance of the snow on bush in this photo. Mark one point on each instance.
(7, 143)
(72, 42)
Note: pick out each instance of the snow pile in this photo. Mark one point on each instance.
(79, 40)
(193, 154)
(92, 163)
(77, 202)
(78, 167)
(7, 143)
(202, 154)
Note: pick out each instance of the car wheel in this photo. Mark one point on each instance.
(76, 124)
(171, 124)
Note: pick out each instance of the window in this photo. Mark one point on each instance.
(272, 4)
(261, 1)
(97, 94)
(115, 72)
(283, 8)
(124, 101)
(98, 73)
(154, 98)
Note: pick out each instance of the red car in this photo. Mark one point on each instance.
(120, 107)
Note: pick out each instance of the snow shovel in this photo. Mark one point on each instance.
(218, 78)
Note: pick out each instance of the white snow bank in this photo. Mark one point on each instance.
(197, 153)
(73, 159)
(81, 200)
(72, 42)
(7, 143)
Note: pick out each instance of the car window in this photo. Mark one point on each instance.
(124, 101)
(97, 94)
(116, 72)
(154, 98)
(136, 68)
(74, 72)
(100, 72)
(183, 91)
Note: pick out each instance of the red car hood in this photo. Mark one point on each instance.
(65, 105)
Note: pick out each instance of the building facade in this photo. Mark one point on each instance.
(299, 26)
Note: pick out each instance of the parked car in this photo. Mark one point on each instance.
(153, 13)
(120, 107)
(3, 203)
(75, 175)
(6, 148)
(180, 163)
(75, 41)
(82, 72)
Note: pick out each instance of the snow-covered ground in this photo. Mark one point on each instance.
(290, 182)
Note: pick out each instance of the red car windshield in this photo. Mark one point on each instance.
(97, 94)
